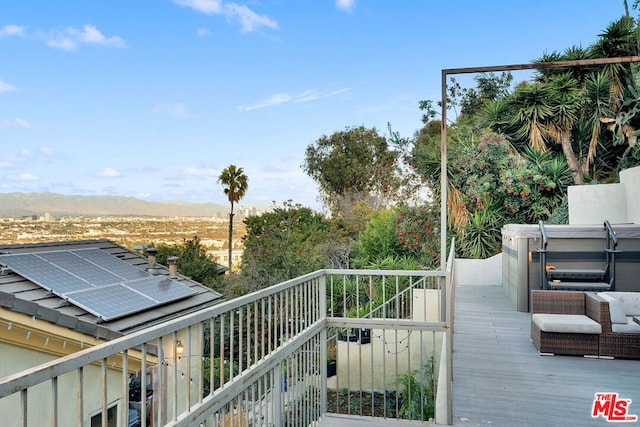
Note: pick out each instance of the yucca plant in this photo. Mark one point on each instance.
(482, 236)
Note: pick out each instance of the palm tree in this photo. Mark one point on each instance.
(235, 184)
(567, 106)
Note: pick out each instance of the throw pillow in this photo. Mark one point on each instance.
(615, 309)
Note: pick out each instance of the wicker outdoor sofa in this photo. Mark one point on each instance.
(580, 324)
(620, 335)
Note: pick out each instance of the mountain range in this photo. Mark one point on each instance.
(27, 204)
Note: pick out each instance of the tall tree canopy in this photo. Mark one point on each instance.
(235, 184)
(353, 165)
(563, 108)
(283, 244)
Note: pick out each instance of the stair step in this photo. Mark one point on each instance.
(579, 286)
(568, 273)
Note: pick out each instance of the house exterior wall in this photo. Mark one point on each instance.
(630, 178)
(593, 204)
(16, 359)
(24, 346)
(390, 352)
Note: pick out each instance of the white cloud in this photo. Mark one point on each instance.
(61, 42)
(178, 110)
(109, 173)
(26, 176)
(91, 35)
(248, 19)
(313, 95)
(6, 87)
(275, 99)
(199, 172)
(6, 165)
(346, 5)
(71, 38)
(283, 98)
(203, 6)
(203, 32)
(16, 124)
(12, 30)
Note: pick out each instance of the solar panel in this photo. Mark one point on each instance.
(114, 265)
(96, 281)
(110, 302)
(80, 267)
(161, 288)
(45, 274)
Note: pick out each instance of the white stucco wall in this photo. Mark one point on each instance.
(375, 366)
(16, 359)
(479, 272)
(593, 204)
(630, 179)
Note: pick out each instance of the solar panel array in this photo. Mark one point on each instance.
(96, 281)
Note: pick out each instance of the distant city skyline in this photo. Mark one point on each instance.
(154, 100)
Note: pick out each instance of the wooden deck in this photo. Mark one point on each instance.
(500, 380)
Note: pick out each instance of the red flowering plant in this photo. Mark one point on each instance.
(417, 232)
(491, 175)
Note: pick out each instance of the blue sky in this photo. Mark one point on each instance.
(153, 99)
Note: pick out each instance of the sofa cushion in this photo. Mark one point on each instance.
(630, 327)
(566, 323)
(630, 301)
(616, 310)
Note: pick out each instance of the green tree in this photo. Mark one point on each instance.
(563, 108)
(288, 242)
(352, 165)
(490, 184)
(235, 184)
(194, 262)
(379, 239)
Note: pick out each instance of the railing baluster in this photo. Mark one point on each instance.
(232, 350)
(200, 359)
(241, 349)
(221, 349)
(25, 407)
(143, 384)
(103, 394)
(175, 376)
(162, 380)
(212, 335)
(79, 393)
(124, 406)
(54, 402)
(188, 380)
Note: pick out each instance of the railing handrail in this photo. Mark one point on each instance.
(544, 239)
(611, 234)
(366, 272)
(144, 338)
(57, 367)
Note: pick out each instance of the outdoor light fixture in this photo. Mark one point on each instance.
(179, 349)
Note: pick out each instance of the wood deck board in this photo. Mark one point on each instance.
(500, 380)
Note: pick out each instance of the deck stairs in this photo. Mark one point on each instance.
(582, 279)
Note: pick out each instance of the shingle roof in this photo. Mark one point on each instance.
(22, 295)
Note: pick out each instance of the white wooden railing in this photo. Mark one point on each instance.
(261, 359)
